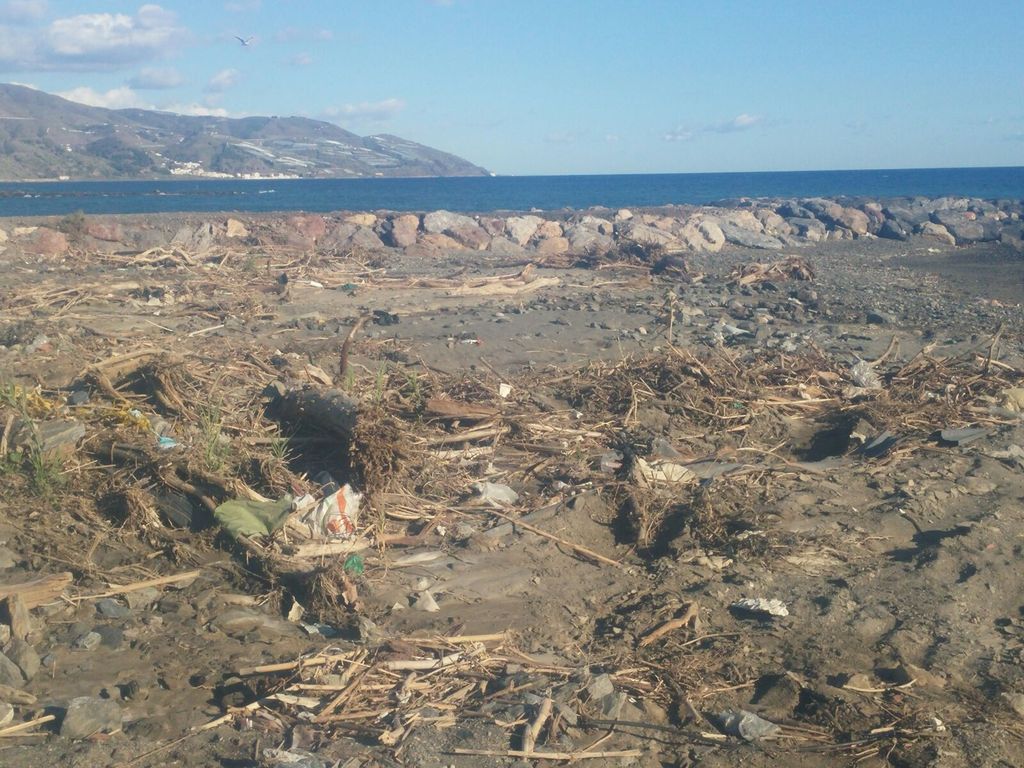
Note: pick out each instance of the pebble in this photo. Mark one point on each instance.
(7, 559)
(90, 641)
(112, 609)
(87, 715)
(25, 656)
(6, 713)
(10, 673)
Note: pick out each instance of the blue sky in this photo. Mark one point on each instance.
(564, 86)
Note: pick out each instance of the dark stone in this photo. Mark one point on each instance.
(891, 229)
(87, 716)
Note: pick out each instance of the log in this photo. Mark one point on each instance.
(331, 411)
(44, 589)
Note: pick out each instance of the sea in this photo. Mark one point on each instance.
(495, 193)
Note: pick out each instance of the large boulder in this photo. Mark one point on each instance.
(462, 229)
(965, 226)
(552, 246)
(772, 222)
(892, 229)
(304, 230)
(603, 226)
(439, 222)
(47, 242)
(502, 246)
(808, 228)
(522, 228)
(583, 239)
(235, 230)
(362, 219)
(493, 225)
(852, 219)
(195, 240)
(748, 238)
(932, 231)
(548, 229)
(107, 231)
(700, 234)
(435, 242)
(401, 231)
(365, 239)
(336, 239)
(644, 234)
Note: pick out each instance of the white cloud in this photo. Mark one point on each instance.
(222, 81)
(196, 109)
(106, 40)
(300, 60)
(739, 123)
(156, 78)
(368, 110)
(116, 98)
(23, 11)
(679, 134)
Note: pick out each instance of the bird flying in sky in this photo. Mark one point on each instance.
(243, 40)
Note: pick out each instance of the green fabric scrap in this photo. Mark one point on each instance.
(241, 517)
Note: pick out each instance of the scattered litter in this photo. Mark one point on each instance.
(504, 390)
(790, 268)
(761, 606)
(383, 317)
(243, 517)
(425, 601)
(165, 443)
(879, 446)
(335, 517)
(962, 436)
(746, 725)
(864, 376)
(496, 494)
(663, 472)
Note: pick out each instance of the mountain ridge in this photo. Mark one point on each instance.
(43, 136)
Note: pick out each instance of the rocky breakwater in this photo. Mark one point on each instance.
(762, 224)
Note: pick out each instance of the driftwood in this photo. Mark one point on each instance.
(330, 411)
(36, 592)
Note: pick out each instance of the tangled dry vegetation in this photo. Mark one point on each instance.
(739, 427)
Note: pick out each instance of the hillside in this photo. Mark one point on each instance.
(45, 136)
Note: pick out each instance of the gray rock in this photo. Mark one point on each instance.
(646, 235)
(748, 238)
(25, 656)
(521, 228)
(401, 231)
(10, 673)
(746, 725)
(90, 641)
(366, 239)
(502, 246)
(892, 229)
(87, 716)
(584, 239)
(600, 687)
(810, 228)
(112, 609)
(439, 222)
